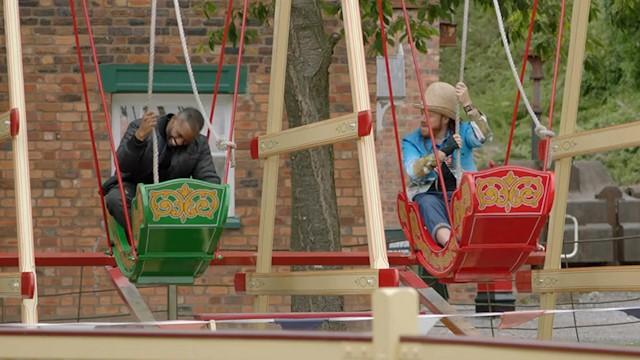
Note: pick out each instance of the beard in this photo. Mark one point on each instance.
(425, 130)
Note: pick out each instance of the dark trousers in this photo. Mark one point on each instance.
(433, 211)
(114, 202)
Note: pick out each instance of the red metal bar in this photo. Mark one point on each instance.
(228, 258)
(223, 43)
(62, 259)
(556, 70)
(385, 52)
(87, 105)
(107, 118)
(290, 315)
(525, 57)
(425, 106)
(234, 103)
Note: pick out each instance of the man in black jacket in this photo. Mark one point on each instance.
(182, 152)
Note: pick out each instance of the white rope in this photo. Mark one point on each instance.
(152, 55)
(463, 56)
(221, 142)
(540, 129)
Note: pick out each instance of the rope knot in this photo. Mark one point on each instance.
(223, 144)
(543, 132)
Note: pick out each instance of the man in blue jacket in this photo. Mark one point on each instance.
(419, 160)
(182, 152)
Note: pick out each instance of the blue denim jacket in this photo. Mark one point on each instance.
(415, 146)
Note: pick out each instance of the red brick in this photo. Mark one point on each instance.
(61, 150)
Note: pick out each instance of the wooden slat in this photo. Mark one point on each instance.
(437, 304)
(395, 313)
(369, 175)
(274, 125)
(325, 132)
(10, 285)
(603, 278)
(103, 344)
(329, 282)
(131, 296)
(491, 349)
(128, 344)
(596, 141)
(570, 101)
(22, 187)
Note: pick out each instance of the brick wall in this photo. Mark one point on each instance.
(66, 212)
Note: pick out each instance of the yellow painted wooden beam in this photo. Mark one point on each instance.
(101, 344)
(275, 113)
(22, 187)
(491, 349)
(369, 176)
(570, 102)
(5, 126)
(597, 278)
(9, 285)
(342, 128)
(328, 282)
(596, 141)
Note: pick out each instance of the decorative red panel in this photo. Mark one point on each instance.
(498, 214)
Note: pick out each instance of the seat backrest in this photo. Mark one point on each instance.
(498, 215)
(179, 215)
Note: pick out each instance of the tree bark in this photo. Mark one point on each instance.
(315, 224)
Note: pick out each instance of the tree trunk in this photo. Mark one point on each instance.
(315, 225)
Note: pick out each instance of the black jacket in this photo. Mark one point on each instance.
(136, 158)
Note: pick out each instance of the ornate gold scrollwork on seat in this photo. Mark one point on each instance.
(440, 260)
(509, 191)
(183, 203)
(460, 209)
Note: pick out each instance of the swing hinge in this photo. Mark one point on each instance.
(364, 123)
(9, 124)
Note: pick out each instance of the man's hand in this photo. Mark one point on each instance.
(458, 139)
(450, 144)
(462, 93)
(147, 125)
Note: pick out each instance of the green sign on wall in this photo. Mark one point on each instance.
(133, 78)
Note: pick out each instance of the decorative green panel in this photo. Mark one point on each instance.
(133, 78)
(177, 225)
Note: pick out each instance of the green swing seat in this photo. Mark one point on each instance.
(176, 228)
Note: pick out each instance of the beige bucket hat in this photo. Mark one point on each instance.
(441, 98)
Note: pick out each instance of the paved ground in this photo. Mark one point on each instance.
(611, 327)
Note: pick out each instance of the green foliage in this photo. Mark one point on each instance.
(611, 75)
(259, 14)
(610, 94)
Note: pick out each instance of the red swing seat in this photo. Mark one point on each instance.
(498, 214)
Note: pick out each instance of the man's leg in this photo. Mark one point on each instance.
(114, 202)
(434, 216)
